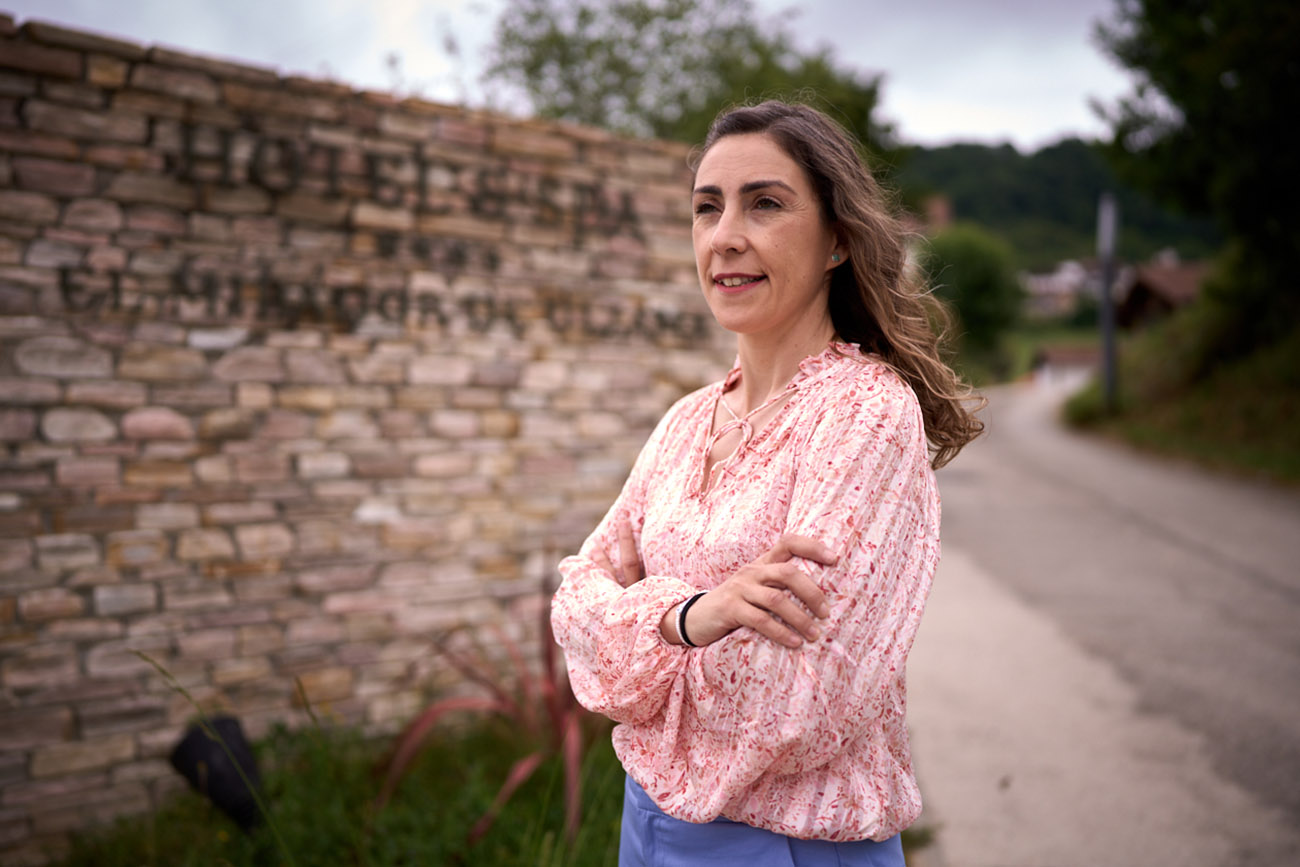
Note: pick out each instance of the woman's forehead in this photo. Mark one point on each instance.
(736, 160)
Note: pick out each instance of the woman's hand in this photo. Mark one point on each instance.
(771, 595)
(627, 571)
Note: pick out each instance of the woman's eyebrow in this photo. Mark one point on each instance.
(751, 186)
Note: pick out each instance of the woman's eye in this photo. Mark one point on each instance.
(704, 207)
(766, 202)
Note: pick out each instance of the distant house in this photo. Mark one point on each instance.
(1056, 295)
(1148, 293)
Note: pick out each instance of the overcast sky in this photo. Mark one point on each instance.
(955, 70)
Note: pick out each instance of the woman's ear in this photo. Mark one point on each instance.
(839, 255)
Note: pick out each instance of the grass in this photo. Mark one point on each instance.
(1241, 417)
(320, 785)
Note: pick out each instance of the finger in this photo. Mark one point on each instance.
(779, 603)
(629, 559)
(761, 621)
(792, 578)
(599, 558)
(791, 545)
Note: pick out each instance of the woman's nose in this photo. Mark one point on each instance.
(729, 233)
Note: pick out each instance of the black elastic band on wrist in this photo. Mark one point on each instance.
(681, 619)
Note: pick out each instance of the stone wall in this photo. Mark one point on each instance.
(292, 378)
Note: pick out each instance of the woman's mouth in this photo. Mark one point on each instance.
(731, 284)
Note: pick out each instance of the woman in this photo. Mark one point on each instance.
(746, 606)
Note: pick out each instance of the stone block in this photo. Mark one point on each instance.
(17, 424)
(323, 685)
(217, 338)
(25, 141)
(186, 84)
(60, 552)
(77, 425)
(257, 363)
(95, 215)
(226, 672)
(24, 480)
(156, 422)
(166, 516)
(348, 425)
(129, 186)
(53, 254)
(161, 363)
(22, 728)
(259, 541)
(129, 713)
(81, 123)
(106, 72)
(53, 34)
(314, 398)
(444, 465)
(62, 357)
(41, 59)
(158, 474)
(42, 666)
(441, 370)
(222, 69)
(93, 517)
(51, 603)
(239, 200)
(156, 218)
(110, 394)
(90, 471)
(207, 644)
(16, 555)
(28, 391)
(133, 549)
(455, 424)
(313, 630)
(57, 177)
(368, 215)
(323, 465)
(81, 756)
(115, 600)
(267, 101)
(330, 579)
(261, 467)
(204, 544)
(305, 207)
(193, 395)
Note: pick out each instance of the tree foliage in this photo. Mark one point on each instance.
(972, 270)
(664, 68)
(1044, 204)
(1211, 127)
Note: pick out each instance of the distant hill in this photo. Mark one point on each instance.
(1044, 204)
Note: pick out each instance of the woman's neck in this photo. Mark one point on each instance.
(769, 362)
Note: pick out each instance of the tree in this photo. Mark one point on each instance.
(972, 270)
(664, 68)
(1211, 127)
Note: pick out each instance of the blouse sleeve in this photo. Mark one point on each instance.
(864, 487)
(619, 665)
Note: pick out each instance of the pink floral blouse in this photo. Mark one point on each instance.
(808, 742)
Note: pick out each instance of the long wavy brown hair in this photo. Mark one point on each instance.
(876, 300)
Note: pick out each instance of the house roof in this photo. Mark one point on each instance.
(1176, 283)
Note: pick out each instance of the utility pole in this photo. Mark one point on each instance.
(1107, 229)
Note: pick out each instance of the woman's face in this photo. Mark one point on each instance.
(762, 246)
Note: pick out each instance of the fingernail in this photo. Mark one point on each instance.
(823, 610)
(814, 634)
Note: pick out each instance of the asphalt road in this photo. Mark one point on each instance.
(1109, 671)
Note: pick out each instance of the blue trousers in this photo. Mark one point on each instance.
(652, 838)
